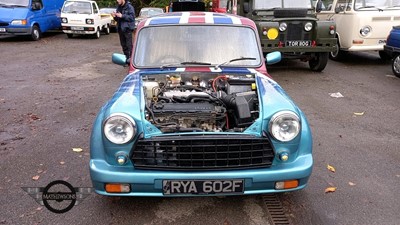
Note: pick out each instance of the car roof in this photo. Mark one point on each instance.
(147, 8)
(198, 18)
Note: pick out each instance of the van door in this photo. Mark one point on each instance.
(40, 15)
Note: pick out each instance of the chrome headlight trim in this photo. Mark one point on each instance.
(284, 126)
(308, 26)
(364, 31)
(282, 26)
(119, 128)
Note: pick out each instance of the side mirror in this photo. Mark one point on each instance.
(339, 9)
(273, 57)
(119, 59)
(246, 7)
(319, 7)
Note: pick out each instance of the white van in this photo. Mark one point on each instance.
(361, 25)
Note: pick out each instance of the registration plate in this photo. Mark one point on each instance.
(298, 43)
(202, 187)
(2, 29)
(76, 28)
(381, 42)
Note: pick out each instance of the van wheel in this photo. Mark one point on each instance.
(396, 66)
(319, 62)
(107, 30)
(97, 34)
(337, 54)
(70, 35)
(35, 33)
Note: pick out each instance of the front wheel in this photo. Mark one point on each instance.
(337, 54)
(107, 29)
(319, 62)
(97, 34)
(396, 66)
(35, 33)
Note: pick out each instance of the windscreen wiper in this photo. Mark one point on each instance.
(371, 7)
(12, 6)
(234, 60)
(195, 63)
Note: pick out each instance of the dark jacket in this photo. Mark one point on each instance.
(127, 22)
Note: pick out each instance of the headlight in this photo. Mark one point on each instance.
(64, 20)
(308, 26)
(18, 22)
(119, 128)
(282, 27)
(365, 30)
(284, 126)
(89, 21)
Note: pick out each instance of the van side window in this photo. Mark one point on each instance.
(344, 5)
(37, 4)
(95, 10)
(327, 4)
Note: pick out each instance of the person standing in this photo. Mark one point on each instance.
(125, 17)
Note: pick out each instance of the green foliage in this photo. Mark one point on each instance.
(159, 3)
(107, 3)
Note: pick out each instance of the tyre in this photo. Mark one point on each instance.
(319, 62)
(384, 56)
(396, 66)
(337, 54)
(70, 35)
(107, 30)
(35, 33)
(97, 34)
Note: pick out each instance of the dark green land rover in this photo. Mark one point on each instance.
(291, 27)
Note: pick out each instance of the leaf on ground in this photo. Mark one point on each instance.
(331, 168)
(35, 177)
(330, 189)
(77, 149)
(33, 116)
(62, 162)
(359, 113)
(336, 95)
(352, 184)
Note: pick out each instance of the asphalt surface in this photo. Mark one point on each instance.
(51, 90)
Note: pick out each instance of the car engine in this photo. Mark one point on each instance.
(190, 102)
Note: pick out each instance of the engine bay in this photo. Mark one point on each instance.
(200, 102)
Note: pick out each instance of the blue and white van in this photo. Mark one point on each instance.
(29, 17)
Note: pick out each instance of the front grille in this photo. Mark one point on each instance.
(3, 24)
(203, 152)
(294, 32)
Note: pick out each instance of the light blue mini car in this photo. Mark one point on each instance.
(198, 115)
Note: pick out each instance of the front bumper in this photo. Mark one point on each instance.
(16, 30)
(79, 29)
(391, 51)
(149, 182)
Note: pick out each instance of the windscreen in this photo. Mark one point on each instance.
(150, 12)
(376, 4)
(282, 4)
(14, 3)
(77, 7)
(160, 46)
(107, 10)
